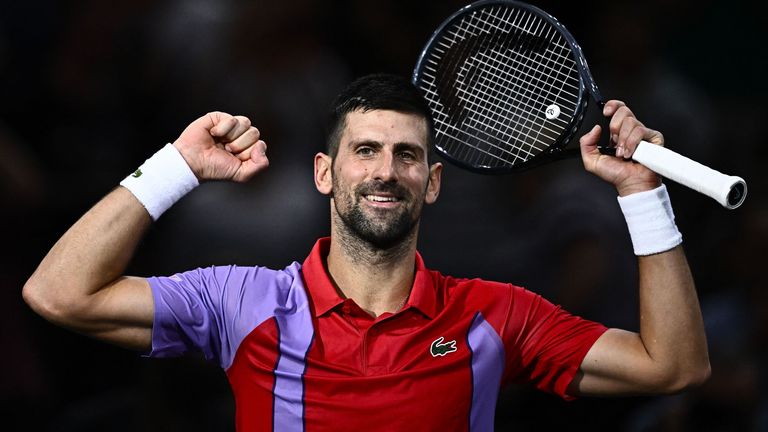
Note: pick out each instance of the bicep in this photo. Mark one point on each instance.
(617, 364)
(121, 313)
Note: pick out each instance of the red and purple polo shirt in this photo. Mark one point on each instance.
(299, 357)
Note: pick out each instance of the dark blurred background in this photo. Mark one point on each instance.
(89, 89)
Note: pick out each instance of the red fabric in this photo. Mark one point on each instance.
(251, 378)
(366, 373)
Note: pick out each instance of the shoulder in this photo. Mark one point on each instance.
(219, 283)
(492, 298)
(473, 286)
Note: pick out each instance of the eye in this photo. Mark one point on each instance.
(407, 155)
(364, 151)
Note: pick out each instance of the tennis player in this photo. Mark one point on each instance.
(361, 335)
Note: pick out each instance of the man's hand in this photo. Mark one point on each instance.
(219, 146)
(626, 133)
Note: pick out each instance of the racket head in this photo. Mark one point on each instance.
(506, 84)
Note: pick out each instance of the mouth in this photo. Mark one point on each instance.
(383, 195)
(382, 200)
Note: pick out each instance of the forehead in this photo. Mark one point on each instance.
(386, 127)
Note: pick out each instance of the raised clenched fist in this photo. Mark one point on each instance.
(220, 146)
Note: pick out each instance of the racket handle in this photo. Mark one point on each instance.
(729, 191)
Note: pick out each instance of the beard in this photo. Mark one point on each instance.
(381, 228)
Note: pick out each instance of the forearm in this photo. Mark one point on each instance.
(671, 325)
(670, 351)
(91, 255)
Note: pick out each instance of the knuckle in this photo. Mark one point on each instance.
(625, 111)
(245, 121)
(218, 116)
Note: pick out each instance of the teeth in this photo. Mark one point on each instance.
(377, 198)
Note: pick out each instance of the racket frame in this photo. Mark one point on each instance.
(554, 151)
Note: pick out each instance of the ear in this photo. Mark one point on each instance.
(433, 187)
(323, 173)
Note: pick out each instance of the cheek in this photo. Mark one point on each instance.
(419, 180)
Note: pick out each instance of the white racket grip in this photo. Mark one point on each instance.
(729, 191)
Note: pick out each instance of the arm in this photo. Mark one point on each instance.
(670, 352)
(79, 284)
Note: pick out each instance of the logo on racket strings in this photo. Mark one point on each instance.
(552, 112)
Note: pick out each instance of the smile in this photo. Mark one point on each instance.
(379, 198)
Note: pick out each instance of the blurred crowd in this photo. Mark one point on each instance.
(89, 89)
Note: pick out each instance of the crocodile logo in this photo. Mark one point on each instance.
(438, 348)
(137, 173)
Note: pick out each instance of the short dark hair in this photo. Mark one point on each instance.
(372, 92)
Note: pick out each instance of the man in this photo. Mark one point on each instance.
(362, 335)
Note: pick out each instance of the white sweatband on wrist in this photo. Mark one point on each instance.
(651, 221)
(161, 181)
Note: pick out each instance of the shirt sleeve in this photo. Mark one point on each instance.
(545, 344)
(211, 310)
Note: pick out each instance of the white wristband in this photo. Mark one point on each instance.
(161, 181)
(651, 221)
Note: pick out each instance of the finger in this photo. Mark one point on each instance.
(621, 114)
(627, 126)
(591, 138)
(260, 148)
(633, 139)
(244, 141)
(235, 127)
(588, 141)
(258, 161)
(259, 151)
(612, 106)
(242, 125)
(653, 136)
(588, 146)
(223, 123)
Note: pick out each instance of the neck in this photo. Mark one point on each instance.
(379, 280)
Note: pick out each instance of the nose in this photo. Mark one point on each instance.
(386, 168)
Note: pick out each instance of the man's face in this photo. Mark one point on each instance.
(380, 176)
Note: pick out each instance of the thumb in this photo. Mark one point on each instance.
(257, 162)
(588, 142)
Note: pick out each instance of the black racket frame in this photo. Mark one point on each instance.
(558, 149)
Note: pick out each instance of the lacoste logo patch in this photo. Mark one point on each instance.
(438, 348)
(137, 173)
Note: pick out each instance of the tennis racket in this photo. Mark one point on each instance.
(507, 85)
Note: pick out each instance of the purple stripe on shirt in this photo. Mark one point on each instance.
(296, 334)
(487, 367)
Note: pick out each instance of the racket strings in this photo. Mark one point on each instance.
(485, 128)
(516, 123)
(482, 145)
(510, 65)
(525, 123)
(471, 97)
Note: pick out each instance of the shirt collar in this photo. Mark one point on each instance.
(325, 297)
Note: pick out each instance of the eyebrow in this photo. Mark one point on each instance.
(402, 145)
